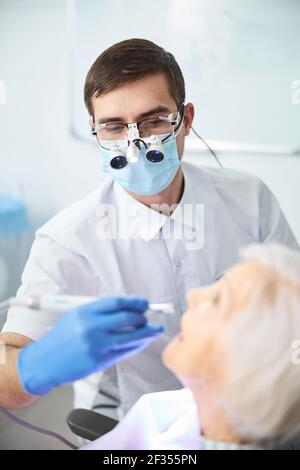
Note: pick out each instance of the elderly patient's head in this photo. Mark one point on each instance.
(236, 349)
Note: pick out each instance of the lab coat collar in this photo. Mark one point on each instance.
(184, 213)
(147, 221)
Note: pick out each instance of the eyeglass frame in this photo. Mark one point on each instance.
(135, 125)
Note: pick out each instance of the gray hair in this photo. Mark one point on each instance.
(262, 397)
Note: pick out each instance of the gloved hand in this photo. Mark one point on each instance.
(85, 340)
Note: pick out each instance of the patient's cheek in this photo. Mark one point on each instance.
(169, 354)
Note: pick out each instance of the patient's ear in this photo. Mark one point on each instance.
(91, 121)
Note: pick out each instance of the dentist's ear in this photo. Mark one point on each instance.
(91, 121)
(189, 112)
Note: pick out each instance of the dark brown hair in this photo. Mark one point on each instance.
(128, 61)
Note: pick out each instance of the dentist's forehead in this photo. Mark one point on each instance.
(135, 98)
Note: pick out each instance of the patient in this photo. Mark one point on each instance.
(236, 357)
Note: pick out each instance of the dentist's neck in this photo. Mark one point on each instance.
(169, 196)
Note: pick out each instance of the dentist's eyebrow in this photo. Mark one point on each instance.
(156, 110)
(109, 119)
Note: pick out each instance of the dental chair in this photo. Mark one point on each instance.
(89, 424)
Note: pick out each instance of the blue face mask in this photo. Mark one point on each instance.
(144, 177)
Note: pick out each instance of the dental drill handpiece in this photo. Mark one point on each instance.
(62, 303)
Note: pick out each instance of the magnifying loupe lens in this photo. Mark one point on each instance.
(118, 162)
(154, 156)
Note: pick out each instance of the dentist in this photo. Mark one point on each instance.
(155, 228)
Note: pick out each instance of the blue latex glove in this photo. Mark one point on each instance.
(85, 340)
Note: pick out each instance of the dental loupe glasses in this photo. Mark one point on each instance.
(124, 151)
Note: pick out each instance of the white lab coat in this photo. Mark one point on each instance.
(71, 255)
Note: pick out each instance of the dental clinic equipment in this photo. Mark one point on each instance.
(14, 223)
(33, 353)
(62, 303)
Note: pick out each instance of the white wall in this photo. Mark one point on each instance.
(35, 143)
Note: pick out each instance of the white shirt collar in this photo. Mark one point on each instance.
(147, 221)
